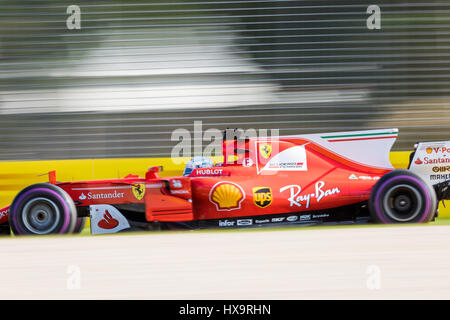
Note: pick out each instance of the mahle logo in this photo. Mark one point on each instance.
(262, 196)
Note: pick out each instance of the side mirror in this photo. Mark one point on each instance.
(152, 172)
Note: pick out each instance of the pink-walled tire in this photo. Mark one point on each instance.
(79, 224)
(402, 196)
(42, 208)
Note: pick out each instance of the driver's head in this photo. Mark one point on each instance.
(197, 162)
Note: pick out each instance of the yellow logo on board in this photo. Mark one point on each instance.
(226, 196)
(138, 190)
(265, 150)
(262, 196)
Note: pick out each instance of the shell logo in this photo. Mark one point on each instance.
(226, 196)
(429, 150)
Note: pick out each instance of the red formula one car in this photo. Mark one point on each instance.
(309, 179)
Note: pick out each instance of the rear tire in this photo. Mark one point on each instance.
(402, 196)
(42, 208)
(79, 225)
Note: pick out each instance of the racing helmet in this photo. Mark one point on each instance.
(197, 162)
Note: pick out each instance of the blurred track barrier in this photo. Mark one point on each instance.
(16, 175)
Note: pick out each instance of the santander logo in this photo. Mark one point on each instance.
(108, 222)
(418, 161)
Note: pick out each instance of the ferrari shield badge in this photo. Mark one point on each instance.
(265, 150)
(138, 190)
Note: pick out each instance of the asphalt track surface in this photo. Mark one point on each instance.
(307, 263)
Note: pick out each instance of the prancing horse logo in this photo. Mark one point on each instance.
(138, 190)
(265, 150)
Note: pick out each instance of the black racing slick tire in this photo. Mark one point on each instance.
(79, 225)
(402, 196)
(42, 208)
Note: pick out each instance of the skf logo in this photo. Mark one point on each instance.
(226, 196)
(265, 150)
(262, 196)
(138, 190)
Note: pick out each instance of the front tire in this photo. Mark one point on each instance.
(42, 208)
(402, 196)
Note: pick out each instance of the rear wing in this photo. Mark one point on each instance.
(431, 161)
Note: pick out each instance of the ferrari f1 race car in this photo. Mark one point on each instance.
(329, 178)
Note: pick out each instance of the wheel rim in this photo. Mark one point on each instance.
(40, 215)
(402, 203)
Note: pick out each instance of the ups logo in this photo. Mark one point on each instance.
(262, 196)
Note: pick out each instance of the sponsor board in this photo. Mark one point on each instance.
(265, 150)
(290, 159)
(208, 172)
(321, 215)
(435, 148)
(439, 177)
(226, 223)
(262, 220)
(431, 160)
(262, 196)
(244, 222)
(96, 196)
(441, 169)
(138, 190)
(226, 196)
(179, 191)
(106, 219)
(298, 199)
(248, 162)
(354, 177)
(428, 160)
(305, 217)
(177, 184)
